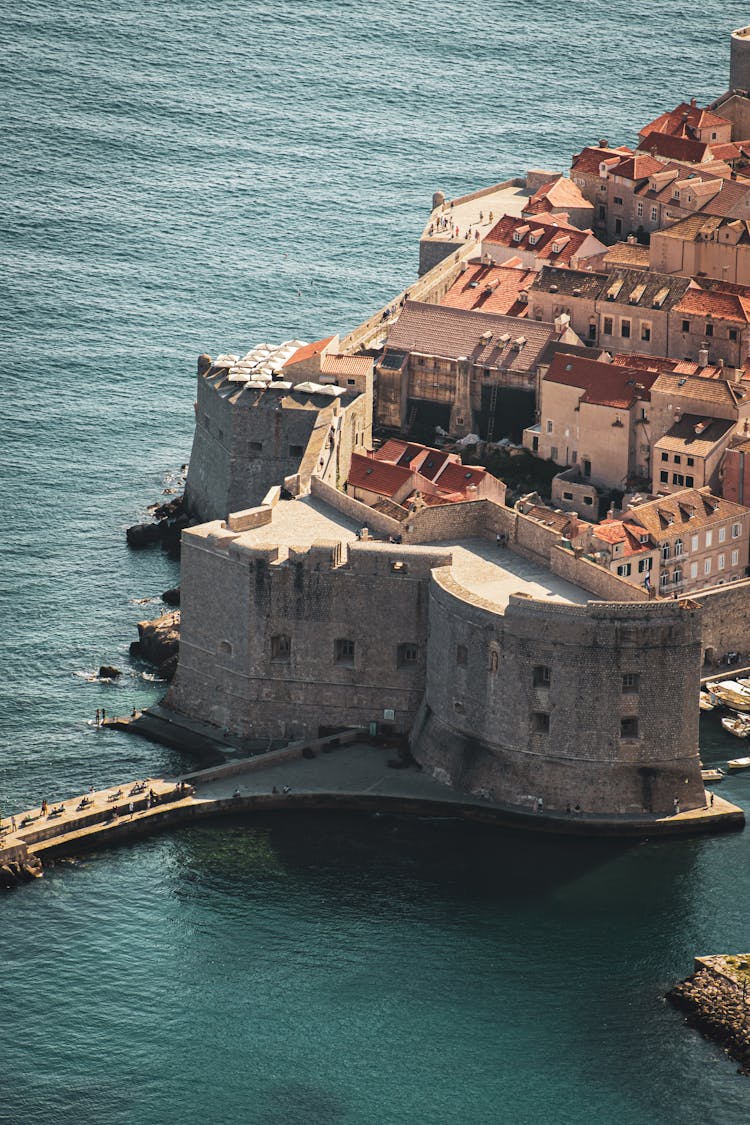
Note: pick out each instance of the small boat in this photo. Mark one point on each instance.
(705, 702)
(739, 764)
(712, 775)
(738, 701)
(738, 725)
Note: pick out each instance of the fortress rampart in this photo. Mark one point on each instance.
(329, 637)
(564, 703)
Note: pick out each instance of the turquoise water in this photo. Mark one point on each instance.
(179, 178)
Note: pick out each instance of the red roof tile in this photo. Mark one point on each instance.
(377, 476)
(674, 148)
(602, 384)
(553, 237)
(307, 351)
(587, 161)
(490, 289)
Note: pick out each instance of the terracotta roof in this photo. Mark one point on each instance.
(456, 477)
(720, 392)
(662, 363)
(377, 476)
(602, 384)
(567, 523)
(436, 330)
(695, 435)
(560, 192)
(491, 289)
(675, 121)
(637, 167)
(308, 351)
(683, 511)
(615, 531)
(630, 254)
(674, 148)
(342, 365)
(546, 236)
(704, 226)
(717, 304)
(587, 161)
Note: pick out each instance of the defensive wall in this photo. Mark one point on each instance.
(247, 440)
(726, 619)
(560, 702)
(333, 636)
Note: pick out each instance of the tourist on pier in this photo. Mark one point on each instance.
(43, 808)
(98, 717)
(676, 807)
(712, 805)
(131, 808)
(13, 819)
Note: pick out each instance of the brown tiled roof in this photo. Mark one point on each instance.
(568, 525)
(686, 114)
(436, 330)
(548, 232)
(630, 254)
(587, 161)
(662, 363)
(637, 167)
(615, 531)
(457, 477)
(686, 510)
(560, 192)
(307, 351)
(377, 476)
(490, 288)
(643, 289)
(581, 283)
(716, 391)
(674, 148)
(695, 435)
(602, 384)
(701, 226)
(717, 304)
(343, 365)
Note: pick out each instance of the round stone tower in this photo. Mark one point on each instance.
(739, 60)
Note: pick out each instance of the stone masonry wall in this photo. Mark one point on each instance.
(237, 604)
(530, 703)
(726, 618)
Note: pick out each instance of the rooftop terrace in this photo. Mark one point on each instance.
(479, 565)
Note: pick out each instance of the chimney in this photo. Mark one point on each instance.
(562, 323)
(703, 356)
(611, 512)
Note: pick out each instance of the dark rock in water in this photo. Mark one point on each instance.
(142, 534)
(109, 672)
(169, 520)
(158, 643)
(172, 597)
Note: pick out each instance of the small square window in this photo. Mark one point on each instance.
(665, 456)
(733, 335)
(689, 481)
(646, 332)
(281, 648)
(462, 656)
(540, 722)
(691, 461)
(343, 652)
(629, 727)
(542, 675)
(296, 450)
(686, 326)
(631, 681)
(607, 327)
(407, 655)
(709, 329)
(664, 476)
(255, 446)
(625, 329)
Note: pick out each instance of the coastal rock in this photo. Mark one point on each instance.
(172, 596)
(109, 672)
(714, 1000)
(158, 643)
(170, 519)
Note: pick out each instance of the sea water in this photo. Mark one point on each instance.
(180, 178)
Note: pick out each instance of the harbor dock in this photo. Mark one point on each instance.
(344, 772)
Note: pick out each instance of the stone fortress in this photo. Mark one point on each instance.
(519, 670)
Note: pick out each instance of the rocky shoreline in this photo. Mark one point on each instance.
(158, 643)
(716, 1001)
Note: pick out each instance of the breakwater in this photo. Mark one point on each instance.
(716, 1000)
(340, 772)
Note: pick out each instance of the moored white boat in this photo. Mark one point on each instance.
(705, 702)
(735, 698)
(712, 775)
(738, 764)
(738, 725)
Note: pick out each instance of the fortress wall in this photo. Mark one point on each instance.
(210, 469)
(470, 519)
(480, 728)
(355, 509)
(594, 578)
(236, 605)
(726, 617)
